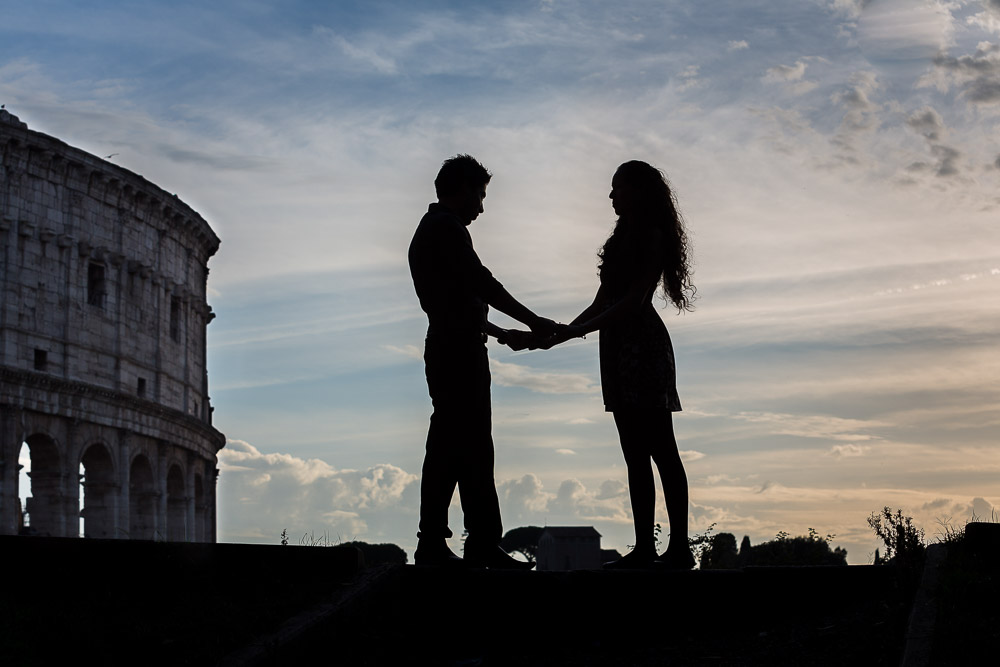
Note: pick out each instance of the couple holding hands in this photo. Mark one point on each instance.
(648, 248)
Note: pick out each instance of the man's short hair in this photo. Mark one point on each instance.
(458, 173)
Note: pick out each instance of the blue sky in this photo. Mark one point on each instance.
(836, 161)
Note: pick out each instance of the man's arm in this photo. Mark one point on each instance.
(502, 300)
(471, 271)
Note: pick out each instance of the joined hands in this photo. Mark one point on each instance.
(543, 336)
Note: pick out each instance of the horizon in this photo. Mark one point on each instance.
(836, 163)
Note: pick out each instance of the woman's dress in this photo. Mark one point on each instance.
(637, 358)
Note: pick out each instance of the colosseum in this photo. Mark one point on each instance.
(103, 380)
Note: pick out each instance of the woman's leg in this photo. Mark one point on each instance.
(674, 479)
(635, 441)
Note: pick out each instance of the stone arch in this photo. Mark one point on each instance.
(98, 482)
(176, 505)
(201, 510)
(142, 497)
(46, 504)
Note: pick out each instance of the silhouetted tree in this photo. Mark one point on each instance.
(808, 549)
(744, 556)
(721, 552)
(523, 540)
(377, 554)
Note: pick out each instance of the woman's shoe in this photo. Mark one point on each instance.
(678, 560)
(633, 560)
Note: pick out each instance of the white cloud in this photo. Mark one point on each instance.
(411, 351)
(904, 29)
(791, 76)
(516, 375)
(780, 73)
(850, 8)
(849, 450)
(814, 426)
(989, 18)
(976, 75)
(737, 45)
(260, 494)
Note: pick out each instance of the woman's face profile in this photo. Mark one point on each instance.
(622, 195)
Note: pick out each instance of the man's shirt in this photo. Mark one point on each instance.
(452, 284)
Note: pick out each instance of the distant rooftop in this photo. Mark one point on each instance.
(572, 531)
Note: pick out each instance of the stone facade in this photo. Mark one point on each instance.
(564, 548)
(102, 348)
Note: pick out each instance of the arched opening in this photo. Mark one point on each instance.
(97, 481)
(176, 505)
(200, 511)
(141, 500)
(43, 509)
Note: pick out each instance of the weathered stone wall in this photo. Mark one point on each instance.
(102, 344)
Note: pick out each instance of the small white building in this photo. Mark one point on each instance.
(562, 548)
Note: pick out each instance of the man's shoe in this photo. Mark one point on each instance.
(494, 558)
(436, 554)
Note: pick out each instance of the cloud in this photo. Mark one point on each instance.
(737, 45)
(848, 451)
(525, 501)
(814, 426)
(989, 18)
(927, 122)
(861, 115)
(565, 452)
(780, 73)
(976, 75)
(365, 55)
(214, 160)
(515, 375)
(791, 76)
(260, 494)
(523, 497)
(947, 159)
(689, 78)
(850, 8)
(411, 351)
(901, 30)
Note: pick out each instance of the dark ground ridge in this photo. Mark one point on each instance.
(122, 602)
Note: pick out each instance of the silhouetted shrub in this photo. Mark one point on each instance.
(808, 549)
(904, 542)
(721, 553)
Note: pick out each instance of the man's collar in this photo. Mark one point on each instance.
(438, 207)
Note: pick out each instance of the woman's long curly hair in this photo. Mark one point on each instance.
(655, 208)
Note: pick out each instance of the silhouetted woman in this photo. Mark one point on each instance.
(648, 247)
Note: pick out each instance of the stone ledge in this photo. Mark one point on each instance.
(93, 404)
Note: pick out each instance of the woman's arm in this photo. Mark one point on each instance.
(633, 298)
(595, 316)
(594, 308)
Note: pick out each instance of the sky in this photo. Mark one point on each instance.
(836, 162)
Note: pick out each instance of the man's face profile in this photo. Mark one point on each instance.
(471, 202)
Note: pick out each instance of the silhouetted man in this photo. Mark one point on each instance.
(456, 290)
